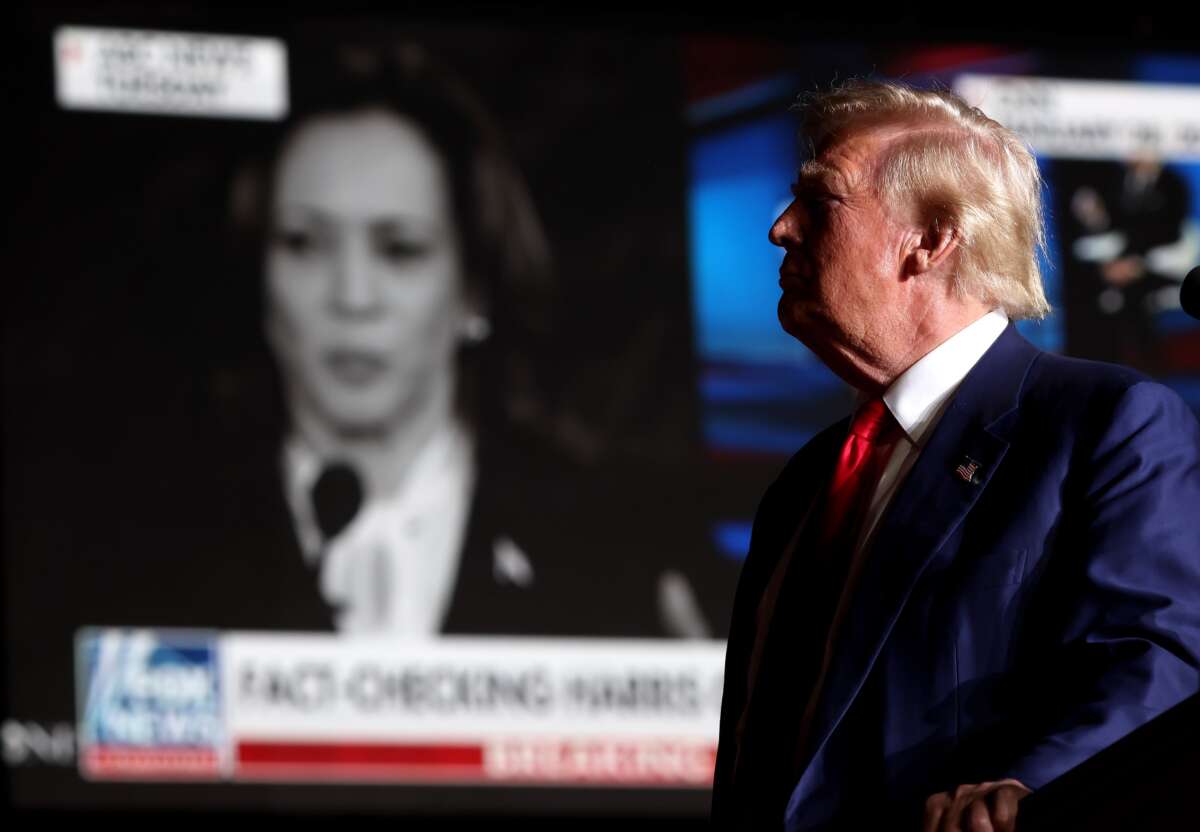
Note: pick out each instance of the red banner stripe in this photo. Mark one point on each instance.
(357, 754)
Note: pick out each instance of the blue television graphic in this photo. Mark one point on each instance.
(149, 705)
(762, 392)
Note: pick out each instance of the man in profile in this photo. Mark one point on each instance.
(991, 570)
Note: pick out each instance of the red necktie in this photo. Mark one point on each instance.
(864, 455)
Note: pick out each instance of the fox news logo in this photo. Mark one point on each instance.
(149, 705)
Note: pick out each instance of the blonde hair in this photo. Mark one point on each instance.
(954, 165)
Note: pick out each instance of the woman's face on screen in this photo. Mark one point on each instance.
(364, 273)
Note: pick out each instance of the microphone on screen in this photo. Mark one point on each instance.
(1189, 293)
(336, 498)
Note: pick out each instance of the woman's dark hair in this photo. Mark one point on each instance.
(505, 254)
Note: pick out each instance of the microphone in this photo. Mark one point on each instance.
(336, 497)
(1189, 293)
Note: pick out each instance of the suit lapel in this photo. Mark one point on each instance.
(952, 471)
(782, 546)
(785, 507)
(784, 510)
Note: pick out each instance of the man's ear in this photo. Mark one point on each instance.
(930, 248)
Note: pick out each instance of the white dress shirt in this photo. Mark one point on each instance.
(392, 569)
(917, 400)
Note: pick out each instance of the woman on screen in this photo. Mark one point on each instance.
(405, 275)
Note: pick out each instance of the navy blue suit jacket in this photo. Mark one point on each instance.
(1009, 626)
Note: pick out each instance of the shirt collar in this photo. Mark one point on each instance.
(447, 456)
(918, 395)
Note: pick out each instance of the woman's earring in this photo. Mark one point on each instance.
(475, 328)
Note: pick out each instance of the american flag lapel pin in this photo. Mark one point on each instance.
(968, 470)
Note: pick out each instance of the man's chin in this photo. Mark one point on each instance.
(814, 332)
(793, 320)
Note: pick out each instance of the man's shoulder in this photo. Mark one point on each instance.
(1083, 376)
(800, 466)
(1090, 409)
(1094, 389)
(799, 479)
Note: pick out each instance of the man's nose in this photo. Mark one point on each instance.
(355, 289)
(786, 231)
